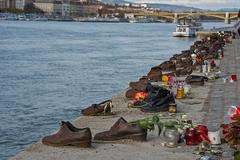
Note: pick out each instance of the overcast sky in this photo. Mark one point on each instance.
(205, 4)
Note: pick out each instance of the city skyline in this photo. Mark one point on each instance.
(204, 4)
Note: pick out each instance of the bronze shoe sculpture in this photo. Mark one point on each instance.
(122, 130)
(155, 74)
(196, 80)
(101, 109)
(139, 85)
(69, 135)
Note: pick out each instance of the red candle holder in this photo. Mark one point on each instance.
(203, 133)
(192, 137)
(234, 77)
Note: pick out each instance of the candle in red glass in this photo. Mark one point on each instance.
(202, 133)
(234, 77)
(191, 136)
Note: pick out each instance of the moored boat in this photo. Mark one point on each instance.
(187, 28)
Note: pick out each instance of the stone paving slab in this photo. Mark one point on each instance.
(223, 95)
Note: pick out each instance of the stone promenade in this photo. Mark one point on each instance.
(223, 95)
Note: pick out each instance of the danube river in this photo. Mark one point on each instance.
(50, 70)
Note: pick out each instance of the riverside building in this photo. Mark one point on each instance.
(7, 4)
(49, 7)
(67, 8)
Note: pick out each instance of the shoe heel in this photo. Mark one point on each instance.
(140, 138)
(83, 144)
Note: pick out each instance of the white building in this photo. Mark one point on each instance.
(139, 5)
(135, 5)
(20, 4)
(57, 7)
(126, 4)
(65, 9)
(143, 5)
(128, 15)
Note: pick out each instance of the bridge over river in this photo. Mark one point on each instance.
(175, 17)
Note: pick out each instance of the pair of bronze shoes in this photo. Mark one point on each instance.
(69, 135)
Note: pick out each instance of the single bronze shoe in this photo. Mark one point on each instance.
(103, 108)
(139, 85)
(196, 80)
(69, 135)
(122, 130)
(155, 74)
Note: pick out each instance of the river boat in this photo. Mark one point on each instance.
(11, 18)
(41, 19)
(21, 18)
(2, 18)
(140, 20)
(98, 19)
(187, 29)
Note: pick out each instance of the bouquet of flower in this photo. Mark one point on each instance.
(181, 123)
(231, 132)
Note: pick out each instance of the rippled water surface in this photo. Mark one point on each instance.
(50, 70)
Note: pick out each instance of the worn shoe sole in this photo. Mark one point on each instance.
(134, 137)
(102, 114)
(82, 144)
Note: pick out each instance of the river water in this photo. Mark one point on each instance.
(50, 70)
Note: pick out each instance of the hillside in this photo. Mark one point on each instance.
(164, 7)
(175, 8)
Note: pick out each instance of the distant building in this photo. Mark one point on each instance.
(73, 8)
(3, 4)
(7, 4)
(128, 15)
(143, 5)
(12, 3)
(65, 9)
(139, 5)
(81, 9)
(135, 5)
(57, 8)
(49, 7)
(20, 4)
(46, 7)
(126, 4)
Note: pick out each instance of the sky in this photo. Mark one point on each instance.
(204, 4)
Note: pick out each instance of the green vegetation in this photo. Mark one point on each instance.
(12, 10)
(237, 156)
(30, 8)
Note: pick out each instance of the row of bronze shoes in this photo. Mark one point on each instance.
(180, 64)
(159, 98)
(185, 63)
(69, 135)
